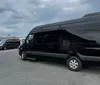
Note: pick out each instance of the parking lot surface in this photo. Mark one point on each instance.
(14, 71)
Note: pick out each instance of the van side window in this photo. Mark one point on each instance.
(39, 38)
(54, 38)
(42, 38)
(47, 38)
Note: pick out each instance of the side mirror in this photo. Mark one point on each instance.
(23, 41)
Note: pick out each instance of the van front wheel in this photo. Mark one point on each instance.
(74, 63)
(5, 48)
(23, 56)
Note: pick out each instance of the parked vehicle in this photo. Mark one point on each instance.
(9, 44)
(75, 41)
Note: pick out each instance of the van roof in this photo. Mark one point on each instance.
(87, 24)
(88, 18)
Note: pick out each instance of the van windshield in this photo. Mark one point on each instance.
(2, 42)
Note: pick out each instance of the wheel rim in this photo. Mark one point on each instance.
(73, 64)
(4, 48)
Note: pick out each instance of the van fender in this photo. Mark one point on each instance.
(74, 54)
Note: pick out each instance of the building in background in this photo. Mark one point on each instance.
(10, 37)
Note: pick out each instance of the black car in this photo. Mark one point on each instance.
(76, 41)
(9, 44)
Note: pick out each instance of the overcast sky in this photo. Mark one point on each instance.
(18, 17)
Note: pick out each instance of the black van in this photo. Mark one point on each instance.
(75, 41)
(9, 44)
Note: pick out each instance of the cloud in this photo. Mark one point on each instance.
(74, 1)
(20, 16)
(6, 30)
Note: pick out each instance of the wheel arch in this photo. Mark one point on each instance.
(74, 54)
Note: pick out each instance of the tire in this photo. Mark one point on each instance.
(23, 56)
(74, 63)
(5, 48)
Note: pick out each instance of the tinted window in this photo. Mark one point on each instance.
(2, 42)
(9, 42)
(54, 38)
(48, 37)
(39, 38)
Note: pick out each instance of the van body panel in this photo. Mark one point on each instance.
(47, 54)
(79, 36)
(88, 58)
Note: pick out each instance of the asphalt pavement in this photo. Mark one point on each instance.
(14, 71)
